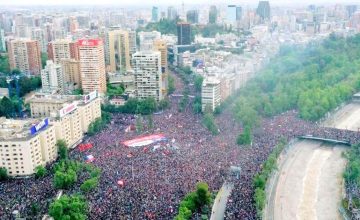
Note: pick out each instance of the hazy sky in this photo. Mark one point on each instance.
(166, 2)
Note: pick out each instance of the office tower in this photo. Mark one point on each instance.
(155, 14)
(210, 94)
(62, 49)
(351, 9)
(238, 13)
(132, 43)
(192, 16)
(71, 71)
(231, 14)
(147, 74)
(2, 41)
(92, 65)
(25, 55)
(172, 13)
(184, 33)
(147, 39)
(160, 45)
(52, 78)
(73, 24)
(32, 143)
(213, 14)
(119, 53)
(39, 35)
(263, 10)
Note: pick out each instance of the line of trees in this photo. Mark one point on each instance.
(352, 179)
(260, 179)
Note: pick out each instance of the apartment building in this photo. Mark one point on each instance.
(92, 65)
(26, 144)
(70, 115)
(210, 94)
(25, 55)
(147, 74)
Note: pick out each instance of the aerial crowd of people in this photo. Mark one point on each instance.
(148, 182)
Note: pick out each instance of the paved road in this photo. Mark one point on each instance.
(218, 209)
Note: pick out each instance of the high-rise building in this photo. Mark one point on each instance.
(92, 65)
(172, 13)
(73, 24)
(119, 50)
(28, 143)
(2, 41)
(132, 43)
(210, 94)
(192, 16)
(39, 35)
(263, 10)
(213, 14)
(52, 78)
(160, 45)
(238, 13)
(147, 74)
(25, 55)
(184, 33)
(351, 9)
(231, 14)
(71, 71)
(62, 49)
(155, 14)
(147, 39)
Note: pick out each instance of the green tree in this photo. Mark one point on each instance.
(69, 208)
(198, 82)
(64, 180)
(62, 149)
(7, 108)
(89, 184)
(150, 122)
(40, 171)
(209, 123)
(3, 174)
(245, 137)
(171, 84)
(139, 124)
(203, 196)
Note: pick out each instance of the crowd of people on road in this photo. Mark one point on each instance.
(148, 182)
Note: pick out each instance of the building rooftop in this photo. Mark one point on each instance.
(21, 129)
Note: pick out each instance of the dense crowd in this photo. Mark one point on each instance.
(149, 182)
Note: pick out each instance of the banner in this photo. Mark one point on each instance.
(146, 140)
(41, 125)
(67, 109)
(89, 97)
(89, 158)
(84, 147)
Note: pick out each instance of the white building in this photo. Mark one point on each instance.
(147, 72)
(52, 78)
(210, 94)
(26, 144)
(147, 39)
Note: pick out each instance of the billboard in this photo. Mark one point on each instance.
(89, 97)
(89, 42)
(41, 125)
(67, 109)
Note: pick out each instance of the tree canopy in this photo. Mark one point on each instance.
(312, 79)
(69, 208)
